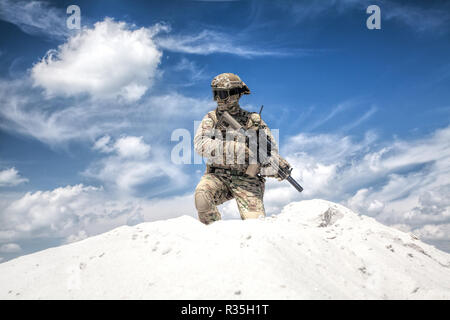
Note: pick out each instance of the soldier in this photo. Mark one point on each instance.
(225, 177)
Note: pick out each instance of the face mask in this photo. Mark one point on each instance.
(230, 104)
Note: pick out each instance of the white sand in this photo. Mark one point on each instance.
(313, 250)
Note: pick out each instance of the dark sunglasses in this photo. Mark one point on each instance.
(223, 94)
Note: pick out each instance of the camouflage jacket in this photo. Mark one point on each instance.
(209, 144)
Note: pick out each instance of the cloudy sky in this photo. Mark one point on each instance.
(88, 117)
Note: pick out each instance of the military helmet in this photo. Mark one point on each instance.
(226, 84)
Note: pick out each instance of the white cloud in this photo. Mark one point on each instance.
(336, 111)
(103, 145)
(48, 210)
(6, 235)
(25, 111)
(76, 237)
(10, 177)
(341, 107)
(108, 61)
(430, 204)
(360, 120)
(361, 203)
(132, 148)
(131, 164)
(435, 232)
(367, 176)
(10, 248)
(175, 106)
(76, 212)
(35, 17)
(192, 69)
(209, 42)
(401, 183)
(417, 17)
(38, 17)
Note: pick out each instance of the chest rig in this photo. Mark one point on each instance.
(248, 120)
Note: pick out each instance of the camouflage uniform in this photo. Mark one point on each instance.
(224, 179)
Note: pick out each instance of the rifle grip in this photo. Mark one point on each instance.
(252, 170)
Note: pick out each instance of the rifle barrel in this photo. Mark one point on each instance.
(294, 184)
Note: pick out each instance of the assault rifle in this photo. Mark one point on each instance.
(252, 170)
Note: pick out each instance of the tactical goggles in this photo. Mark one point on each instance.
(225, 93)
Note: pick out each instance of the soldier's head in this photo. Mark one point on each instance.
(227, 89)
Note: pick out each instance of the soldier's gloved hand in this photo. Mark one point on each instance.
(285, 166)
(268, 171)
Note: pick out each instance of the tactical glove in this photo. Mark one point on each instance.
(268, 171)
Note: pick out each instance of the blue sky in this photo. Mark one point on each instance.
(87, 115)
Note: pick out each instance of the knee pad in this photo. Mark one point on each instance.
(202, 202)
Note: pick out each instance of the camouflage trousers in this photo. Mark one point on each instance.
(214, 189)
